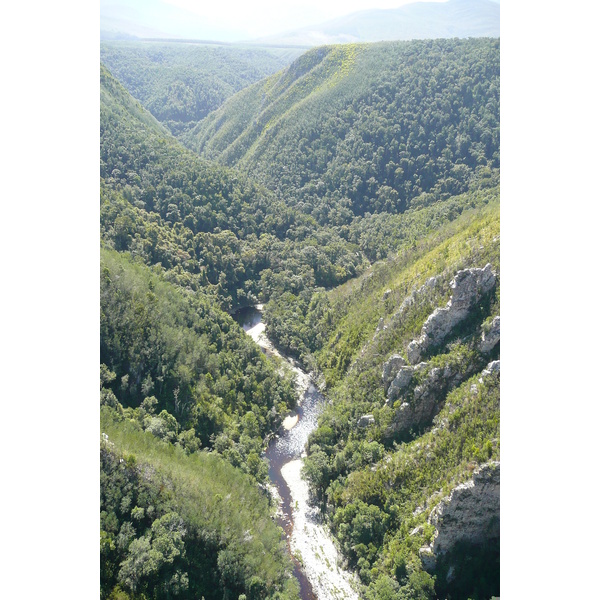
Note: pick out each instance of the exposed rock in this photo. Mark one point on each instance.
(469, 286)
(380, 325)
(430, 283)
(400, 383)
(412, 298)
(471, 513)
(493, 367)
(402, 379)
(428, 396)
(490, 338)
(413, 351)
(390, 368)
(366, 420)
(386, 294)
(427, 558)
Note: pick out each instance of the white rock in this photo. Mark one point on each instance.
(471, 513)
(490, 338)
(366, 420)
(469, 286)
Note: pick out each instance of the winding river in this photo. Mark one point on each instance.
(315, 557)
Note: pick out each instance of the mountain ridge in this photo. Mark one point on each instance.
(417, 20)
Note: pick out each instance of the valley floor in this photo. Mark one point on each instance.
(314, 544)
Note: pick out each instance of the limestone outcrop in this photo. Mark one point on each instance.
(469, 286)
(366, 420)
(491, 336)
(415, 296)
(427, 397)
(400, 382)
(390, 368)
(471, 513)
(493, 367)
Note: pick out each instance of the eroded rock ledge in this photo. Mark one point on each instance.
(471, 514)
(469, 286)
(426, 399)
(491, 336)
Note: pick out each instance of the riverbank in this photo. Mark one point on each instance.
(319, 568)
(312, 541)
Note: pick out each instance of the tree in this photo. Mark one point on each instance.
(152, 559)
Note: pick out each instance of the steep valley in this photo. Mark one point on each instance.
(354, 196)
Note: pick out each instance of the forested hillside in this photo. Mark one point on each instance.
(375, 476)
(172, 350)
(176, 524)
(206, 225)
(178, 376)
(356, 195)
(366, 128)
(181, 83)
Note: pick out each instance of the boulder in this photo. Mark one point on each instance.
(390, 368)
(400, 383)
(366, 420)
(413, 351)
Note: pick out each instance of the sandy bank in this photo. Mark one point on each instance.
(313, 542)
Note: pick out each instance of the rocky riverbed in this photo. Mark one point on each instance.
(318, 564)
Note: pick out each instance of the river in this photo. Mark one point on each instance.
(315, 557)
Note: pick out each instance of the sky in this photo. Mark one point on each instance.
(266, 17)
(236, 20)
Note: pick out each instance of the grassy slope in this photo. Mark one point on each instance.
(471, 240)
(253, 117)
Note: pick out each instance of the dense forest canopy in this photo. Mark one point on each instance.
(366, 128)
(206, 224)
(332, 191)
(182, 525)
(180, 84)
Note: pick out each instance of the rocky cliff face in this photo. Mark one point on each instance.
(422, 387)
(471, 513)
(469, 286)
(390, 369)
(490, 337)
(427, 397)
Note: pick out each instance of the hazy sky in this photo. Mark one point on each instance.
(265, 17)
(231, 20)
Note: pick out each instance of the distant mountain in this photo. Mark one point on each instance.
(122, 19)
(181, 83)
(365, 128)
(419, 20)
